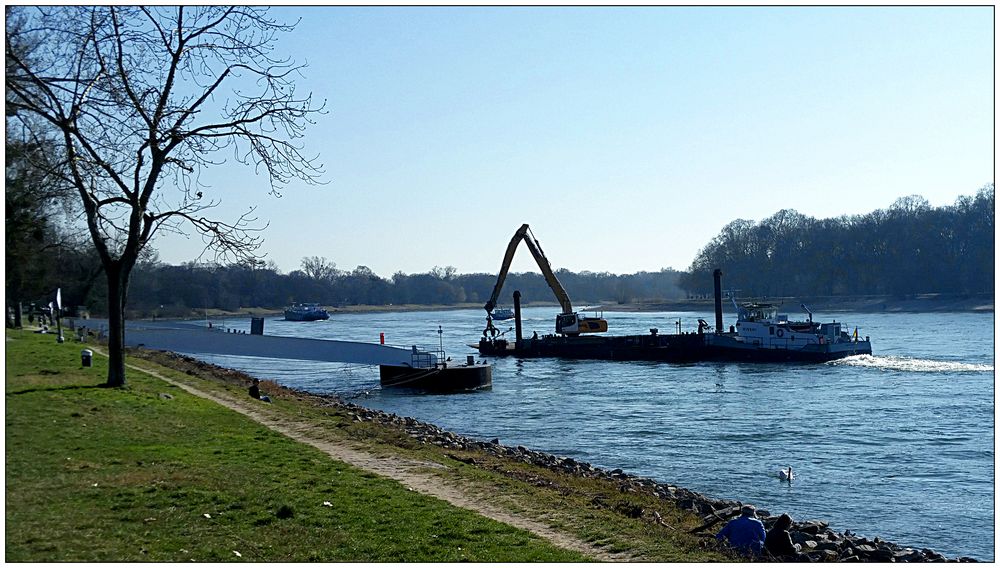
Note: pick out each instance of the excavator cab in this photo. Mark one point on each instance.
(574, 324)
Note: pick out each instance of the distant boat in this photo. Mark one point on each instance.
(502, 314)
(305, 312)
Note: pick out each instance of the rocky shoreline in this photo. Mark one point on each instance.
(814, 538)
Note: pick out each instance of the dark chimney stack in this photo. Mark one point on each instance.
(717, 276)
(517, 318)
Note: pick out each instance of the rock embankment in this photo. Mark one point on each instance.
(814, 538)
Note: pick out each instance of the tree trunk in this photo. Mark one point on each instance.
(14, 311)
(117, 290)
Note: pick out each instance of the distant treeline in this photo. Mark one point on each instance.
(909, 248)
(191, 286)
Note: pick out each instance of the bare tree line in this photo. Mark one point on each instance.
(909, 248)
(132, 103)
(113, 112)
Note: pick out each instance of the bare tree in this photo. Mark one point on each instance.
(319, 268)
(142, 100)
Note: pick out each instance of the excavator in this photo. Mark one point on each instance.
(568, 322)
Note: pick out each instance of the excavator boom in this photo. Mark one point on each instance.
(568, 321)
(543, 265)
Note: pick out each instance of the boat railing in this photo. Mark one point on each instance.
(425, 359)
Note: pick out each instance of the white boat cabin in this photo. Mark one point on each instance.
(762, 325)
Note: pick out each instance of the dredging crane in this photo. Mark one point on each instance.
(760, 335)
(568, 322)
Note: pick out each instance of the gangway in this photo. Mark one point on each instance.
(190, 337)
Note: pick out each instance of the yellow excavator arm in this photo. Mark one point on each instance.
(567, 322)
(543, 265)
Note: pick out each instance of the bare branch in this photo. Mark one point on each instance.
(142, 100)
(123, 73)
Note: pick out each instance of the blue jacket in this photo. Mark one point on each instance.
(745, 534)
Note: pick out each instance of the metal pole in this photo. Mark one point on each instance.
(717, 277)
(518, 341)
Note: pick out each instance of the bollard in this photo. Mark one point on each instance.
(256, 326)
(381, 338)
(86, 357)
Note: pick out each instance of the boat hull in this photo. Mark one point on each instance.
(437, 379)
(677, 348)
(725, 347)
(292, 316)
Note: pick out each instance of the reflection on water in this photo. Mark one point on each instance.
(888, 445)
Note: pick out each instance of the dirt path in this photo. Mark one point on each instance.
(411, 474)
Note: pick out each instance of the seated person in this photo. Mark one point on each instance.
(778, 542)
(744, 533)
(255, 391)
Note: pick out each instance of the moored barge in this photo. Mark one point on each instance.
(432, 371)
(438, 379)
(761, 334)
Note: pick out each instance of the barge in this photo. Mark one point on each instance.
(433, 371)
(760, 334)
(439, 378)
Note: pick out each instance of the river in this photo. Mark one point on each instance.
(898, 445)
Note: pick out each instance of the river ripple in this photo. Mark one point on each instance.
(898, 445)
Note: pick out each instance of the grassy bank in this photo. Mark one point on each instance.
(153, 473)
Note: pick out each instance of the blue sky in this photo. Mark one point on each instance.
(626, 137)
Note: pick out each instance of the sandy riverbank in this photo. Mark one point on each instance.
(917, 303)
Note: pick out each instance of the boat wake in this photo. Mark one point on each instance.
(908, 364)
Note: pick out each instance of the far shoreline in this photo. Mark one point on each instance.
(915, 303)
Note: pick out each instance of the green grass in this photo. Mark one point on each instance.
(592, 510)
(263, 492)
(151, 473)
